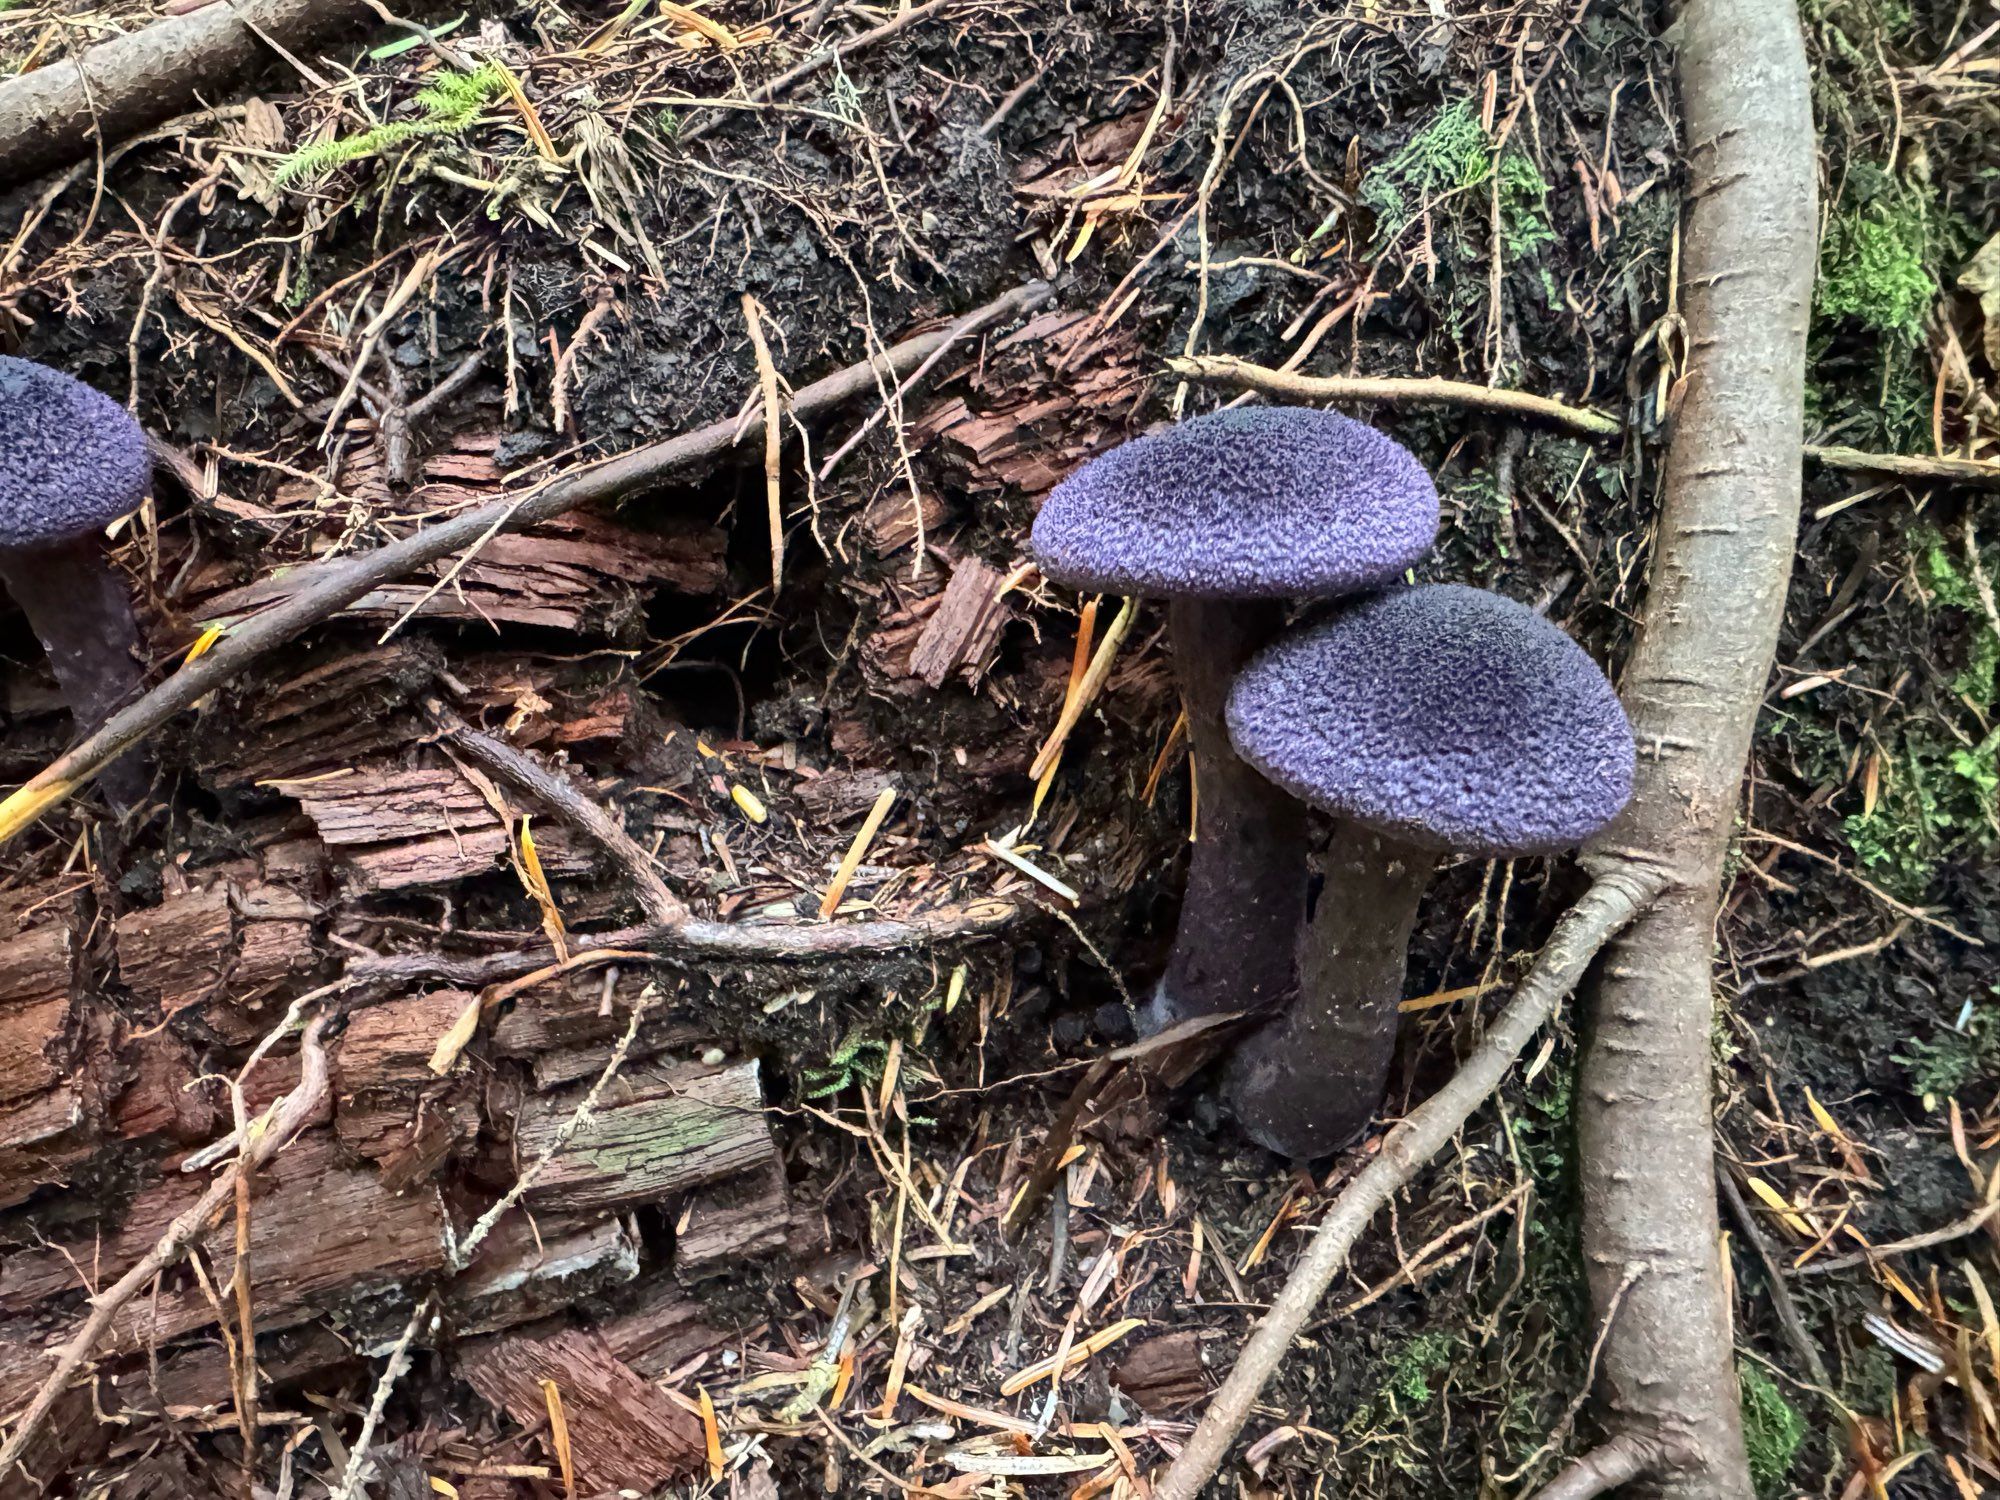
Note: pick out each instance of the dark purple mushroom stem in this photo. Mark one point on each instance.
(1310, 1081)
(1246, 885)
(83, 618)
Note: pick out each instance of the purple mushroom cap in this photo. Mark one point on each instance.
(71, 458)
(1270, 502)
(1448, 716)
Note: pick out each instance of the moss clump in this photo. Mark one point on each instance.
(1451, 156)
(1877, 262)
(1412, 1367)
(1773, 1429)
(447, 105)
(1955, 1060)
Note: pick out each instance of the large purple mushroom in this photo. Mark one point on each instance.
(1228, 516)
(1428, 721)
(71, 462)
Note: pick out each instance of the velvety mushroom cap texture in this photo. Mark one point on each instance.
(1448, 716)
(1274, 502)
(71, 458)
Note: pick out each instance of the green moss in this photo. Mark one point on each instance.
(1417, 1363)
(1954, 1061)
(1877, 263)
(1450, 157)
(447, 105)
(1773, 1429)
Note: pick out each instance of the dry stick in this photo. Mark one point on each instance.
(1715, 595)
(1239, 374)
(55, 115)
(1600, 1471)
(358, 1468)
(799, 72)
(1609, 904)
(297, 1110)
(323, 589)
(774, 436)
(1958, 1229)
(1789, 1318)
(662, 907)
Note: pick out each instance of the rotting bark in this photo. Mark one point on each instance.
(323, 589)
(52, 115)
(1692, 688)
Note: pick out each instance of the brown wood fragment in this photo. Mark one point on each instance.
(397, 829)
(345, 707)
(842, 796)
(1165, 1375)
(388, 1106)
(661, 1129)
(662, 1330)
(36, 997)
(889, 522)
(321, 1231)
(222, 942)
(964, 628)
(723, 1226)
(625, 1433)
(525, 1270)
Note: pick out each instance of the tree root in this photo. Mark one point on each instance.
(1604, 909)
(321, 590)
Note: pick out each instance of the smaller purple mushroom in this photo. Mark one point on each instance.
(1432, 720)
(1227, 516)
(71, 462)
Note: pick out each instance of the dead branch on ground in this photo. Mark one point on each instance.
(1715, 599)
(50, 116)
(662, 907)
(1609, 904)
(321, 590)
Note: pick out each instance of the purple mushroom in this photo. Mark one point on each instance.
(71, 461)
(1428, 721)
(1227, 516)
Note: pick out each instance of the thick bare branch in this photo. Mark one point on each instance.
(1715, 597)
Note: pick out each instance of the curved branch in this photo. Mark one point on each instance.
(1601, 1470)
(1605, 908)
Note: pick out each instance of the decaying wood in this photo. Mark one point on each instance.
(661, 1129)
(625, 1433)
(748, 1215)
(241, 941)
(37, 982)
(317, 591)
(1693, 687)
(53, 115)
(395, 830)
(961, 633)
(110, 1305)
(1164, 1376)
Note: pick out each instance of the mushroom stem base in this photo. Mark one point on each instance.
(1246, 885)
(83, 617)
(1311, 1079)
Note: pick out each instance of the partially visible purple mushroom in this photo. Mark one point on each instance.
(1227, 516)
(71, 462)
(1428, 721)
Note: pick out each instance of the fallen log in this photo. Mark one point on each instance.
(57, 114)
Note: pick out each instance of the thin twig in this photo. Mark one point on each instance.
(297, 1110)
(1602, 912)
(1240, 374)
(662, 907)
(323, 589)
(1958, 1229)
(358, 1468)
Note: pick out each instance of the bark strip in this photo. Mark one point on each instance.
(1716, 592)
